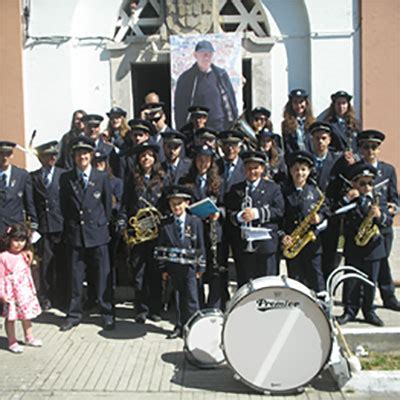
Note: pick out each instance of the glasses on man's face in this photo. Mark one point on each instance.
(366, 183)
(369, 146)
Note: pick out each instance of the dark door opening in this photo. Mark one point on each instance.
(247, 88)
(151, 78)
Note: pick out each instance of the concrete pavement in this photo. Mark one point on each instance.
(137, 362)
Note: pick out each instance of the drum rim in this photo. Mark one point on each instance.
(257, 388)
(197, 315)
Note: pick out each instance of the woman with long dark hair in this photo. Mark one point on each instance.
(65, 159)
(297, 118)
(345, 126)
(143, 188)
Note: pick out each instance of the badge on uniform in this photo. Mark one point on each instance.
(12, 183)
(97, 194)
(310, 196)
(20, 193)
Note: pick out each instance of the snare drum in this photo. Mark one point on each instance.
(177, 255)
(202, 336)
(276, 336)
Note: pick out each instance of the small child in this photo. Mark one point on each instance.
(183, 236)
(17, 291)
(303, 199)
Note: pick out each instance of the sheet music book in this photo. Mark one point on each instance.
(203, 208)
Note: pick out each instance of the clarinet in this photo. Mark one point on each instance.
(214, 248)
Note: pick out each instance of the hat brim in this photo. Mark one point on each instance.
(83, 147)
(184, 196)
(255, 159)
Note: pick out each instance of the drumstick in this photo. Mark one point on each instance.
(354, 362)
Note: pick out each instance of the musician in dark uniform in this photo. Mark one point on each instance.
(369, 148)
(155, 114)
(205, 182)
(345, 126)
(140, 132)
(85, 198)
(254, 202)
(16, 199)
(142, 190)
(175, 164)
(198, 117)
(276, 166)
(231, 169)
(303, 200)
(297, 118)
(367, 254)
(182, 231)
(324, 161)
(46, 196)
(205, 136)
(92, 130)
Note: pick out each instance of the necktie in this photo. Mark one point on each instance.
(318, 163)
(83, 181)
(180, 227)
(171, 169)
(228, 171)
(3, 181)
(46, 177)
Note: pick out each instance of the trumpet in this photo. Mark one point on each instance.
(248, 232)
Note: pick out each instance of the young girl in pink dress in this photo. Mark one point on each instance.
(17, 291)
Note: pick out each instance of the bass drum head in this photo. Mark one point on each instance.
(202, 336)
(276, 338)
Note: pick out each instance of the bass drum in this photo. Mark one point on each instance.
(276, 336)
(202, 336)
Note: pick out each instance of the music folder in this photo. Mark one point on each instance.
(203, 208)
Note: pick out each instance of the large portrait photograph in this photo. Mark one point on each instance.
(206, 71)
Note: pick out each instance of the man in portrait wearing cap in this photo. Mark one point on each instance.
(254, 202)
(182, 231)
(16, 200)
(46, 196)
(366, 255)
(175, 164)
(86, 204)
(205, 84)
(369, 143)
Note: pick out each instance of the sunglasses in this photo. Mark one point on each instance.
(366, 183)
(369, 146)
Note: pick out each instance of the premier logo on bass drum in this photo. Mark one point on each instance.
(272, 304)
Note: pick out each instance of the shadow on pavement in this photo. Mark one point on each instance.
(219, 379)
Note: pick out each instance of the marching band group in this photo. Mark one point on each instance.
(130, 188)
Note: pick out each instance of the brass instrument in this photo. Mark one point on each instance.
(241, 125)
(143, 226)
(368, 229)
(247, 203)
(303, 234)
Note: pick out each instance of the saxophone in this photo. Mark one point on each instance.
(367, 229)
(303, 234)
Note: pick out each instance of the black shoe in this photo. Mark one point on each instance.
(392, 304)
(109, 325)
(155, 317)
(177, 332)
(345, 318)
(373, 319)
(45, 304)
(68, 325)
(140, 318)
